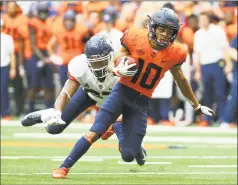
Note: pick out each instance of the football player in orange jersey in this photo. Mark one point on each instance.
(39, 70)
(70, 38)
(157, 53)
(15, 24)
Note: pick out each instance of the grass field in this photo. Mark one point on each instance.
(176, 155)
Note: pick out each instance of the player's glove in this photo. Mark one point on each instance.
(124, 69)
(205, 110)
(54, 118)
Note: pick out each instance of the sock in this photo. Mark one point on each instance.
(80, 148)
(118, 129)
(31, 105)
(49, 103)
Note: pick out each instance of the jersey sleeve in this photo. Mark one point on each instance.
(180, 54)
(127, 38)
(76, 68)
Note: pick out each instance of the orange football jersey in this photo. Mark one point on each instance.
(43, 32)
(152, 64)
(70, 43)
(17, 27)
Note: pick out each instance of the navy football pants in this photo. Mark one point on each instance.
(133, 107)
(78, 104)
(39, 76)
(231, 106)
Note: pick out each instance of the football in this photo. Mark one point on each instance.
(126, 60)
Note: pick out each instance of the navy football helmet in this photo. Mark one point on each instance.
(163, 18)
(43, 10)
(99, 53)
(69, 19)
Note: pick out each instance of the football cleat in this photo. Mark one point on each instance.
(34, 117)
(60, 173)
(141, 157)
(108, 133)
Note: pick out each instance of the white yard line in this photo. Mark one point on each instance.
(150, 128)
(119, 157)
(212, 166)
(176, 139)
(130, 173)
(147, 163)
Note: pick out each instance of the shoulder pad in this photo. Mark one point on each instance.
(77, 66)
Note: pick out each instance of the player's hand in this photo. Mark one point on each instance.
(52, 118)
(205, 110)
(123, 69)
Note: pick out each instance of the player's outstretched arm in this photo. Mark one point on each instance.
(187, 91)
(33, 44)
(69, 89)
(54, 117)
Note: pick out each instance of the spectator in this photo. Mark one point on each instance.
(7, 57)
(39, 71)
(15, 24)
(111, 32)
(231, 106)
(69, 38)
(210, 45)
(127, 16)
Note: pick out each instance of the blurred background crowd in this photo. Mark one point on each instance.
(38, 39)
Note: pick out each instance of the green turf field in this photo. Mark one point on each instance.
(176, 155)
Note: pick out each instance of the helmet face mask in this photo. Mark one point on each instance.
(163, 35)
(99, 53)
(99, 64)
(43, 14)
(43, 10)
(69, 19)
(69, 24)
(163, 27)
